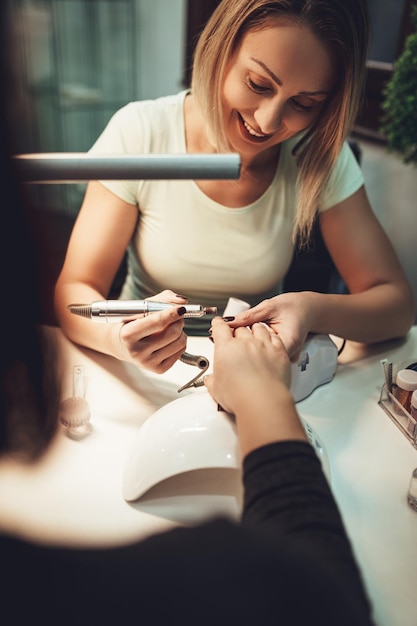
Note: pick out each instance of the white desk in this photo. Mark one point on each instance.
(371, 463)
(74, 494)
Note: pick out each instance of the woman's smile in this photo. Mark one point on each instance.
(255, 135)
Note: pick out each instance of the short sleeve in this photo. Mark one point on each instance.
(142, 127)
(118, 138)
(345, 179)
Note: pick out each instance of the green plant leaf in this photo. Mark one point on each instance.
(399, 120)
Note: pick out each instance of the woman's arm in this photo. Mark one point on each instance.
(380, 303)
(97, 244)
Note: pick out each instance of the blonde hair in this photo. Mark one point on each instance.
(343, 26)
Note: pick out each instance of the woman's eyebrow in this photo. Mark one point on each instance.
(279, 81)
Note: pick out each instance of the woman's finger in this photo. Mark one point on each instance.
(168, 296)
(154, 323)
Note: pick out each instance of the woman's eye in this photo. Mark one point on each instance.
(256, 87)
(301, 107)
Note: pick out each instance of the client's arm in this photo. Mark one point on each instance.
(285, 490)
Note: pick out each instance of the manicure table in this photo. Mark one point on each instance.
(73, 495)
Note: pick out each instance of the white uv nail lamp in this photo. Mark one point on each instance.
(185, 435)
(316, 366)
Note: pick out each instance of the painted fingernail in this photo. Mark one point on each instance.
(211, 339)
(229, 318)
(178, 295)
(181, 311)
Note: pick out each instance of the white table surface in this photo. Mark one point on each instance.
(74, 494)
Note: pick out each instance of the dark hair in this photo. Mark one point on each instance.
(28, 379)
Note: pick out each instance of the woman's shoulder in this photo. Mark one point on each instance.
(345, 179)
(145, 126)
(164, 107)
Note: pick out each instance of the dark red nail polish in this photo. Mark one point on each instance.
(229, 318)
(181, 311)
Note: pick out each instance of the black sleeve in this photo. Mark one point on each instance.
(287, 492)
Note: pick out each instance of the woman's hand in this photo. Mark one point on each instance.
(154, 341)
(289, 315)
(251, 379)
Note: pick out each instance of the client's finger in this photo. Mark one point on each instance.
(208, 382)
(261, 331)
(243, 331)
(220, 330)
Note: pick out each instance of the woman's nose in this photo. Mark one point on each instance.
(269, 116)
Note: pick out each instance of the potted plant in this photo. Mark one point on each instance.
(399, 119)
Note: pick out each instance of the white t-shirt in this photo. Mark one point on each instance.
(191, 244)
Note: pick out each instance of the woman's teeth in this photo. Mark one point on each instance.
(251, 131)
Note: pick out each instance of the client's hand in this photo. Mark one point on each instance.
(156, 341)
(251, 378)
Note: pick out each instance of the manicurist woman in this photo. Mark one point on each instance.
(280, 83)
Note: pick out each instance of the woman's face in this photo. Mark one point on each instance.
(275, 86)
